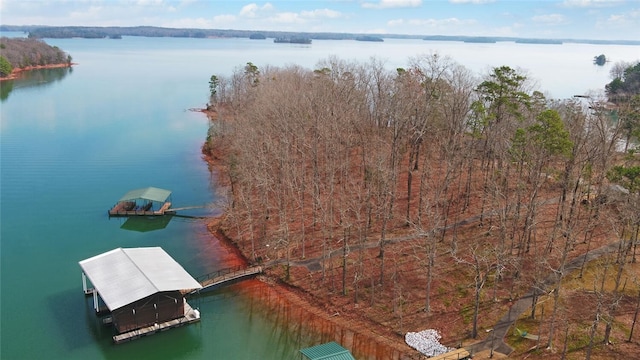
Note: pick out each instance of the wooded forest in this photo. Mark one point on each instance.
(432, 197)
(23, 53)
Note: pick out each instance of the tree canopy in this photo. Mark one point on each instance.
(21, 53)
(5, 67)
(624, 85)
(392, 181)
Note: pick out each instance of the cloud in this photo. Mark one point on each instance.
(267, 14)
(304, 17)
(321, 13)
(287, 18)
(386, 4)
(591, 3)
(251, 10)
(149, 3)
(471, 1)
(549, 19)
(199, 23)
(505, 30)
(629, 19)
(431, 23)
(224, 19)
(396, 22)
(92, 12)
(218, 21)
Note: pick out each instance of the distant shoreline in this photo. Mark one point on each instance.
(48, 32)
(18, 71)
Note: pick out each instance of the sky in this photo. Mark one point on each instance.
(556, 19)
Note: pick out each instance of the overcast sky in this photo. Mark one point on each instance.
(578, 19)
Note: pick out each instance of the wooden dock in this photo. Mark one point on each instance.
(191, 316)
(188, 208)
(226, 275)
(457, 354)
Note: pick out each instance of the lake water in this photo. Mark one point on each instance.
(73, 141)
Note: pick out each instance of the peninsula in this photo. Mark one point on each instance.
(22, 54)
(409, 211)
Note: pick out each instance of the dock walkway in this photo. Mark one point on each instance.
(226, 275)
(457, 354)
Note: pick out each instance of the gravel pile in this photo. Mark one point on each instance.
(427, 342)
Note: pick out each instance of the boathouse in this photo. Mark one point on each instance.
(150, 201)
(142, 289)
(329, 351)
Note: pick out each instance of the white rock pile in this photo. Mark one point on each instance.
(427, 342)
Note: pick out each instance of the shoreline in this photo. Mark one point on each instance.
(457, 304)
(15, 74)
(378, 338)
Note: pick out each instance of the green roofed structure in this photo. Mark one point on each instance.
(329, 351)
(150, 201)
(150, 194)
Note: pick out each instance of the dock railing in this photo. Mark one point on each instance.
(223, 275)
(219, 273)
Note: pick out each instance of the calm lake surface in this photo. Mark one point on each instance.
(73, 141)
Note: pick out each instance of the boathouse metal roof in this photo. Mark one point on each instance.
(329, 351)
(122, 276)
(149, 193)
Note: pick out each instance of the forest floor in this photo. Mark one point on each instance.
(498, 317)
(305, 284)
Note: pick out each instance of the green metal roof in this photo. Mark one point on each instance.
(328, 351)
(150, 193)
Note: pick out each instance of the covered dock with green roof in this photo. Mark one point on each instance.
(149, 201)
(329, 351)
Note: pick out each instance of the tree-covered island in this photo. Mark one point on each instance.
(19, 54)
(600, 60)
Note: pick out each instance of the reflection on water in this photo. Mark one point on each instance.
(146, 223)
(304, 327)
(292, 323)
(33, 78)
(5, 88)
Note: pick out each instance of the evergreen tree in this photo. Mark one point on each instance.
(5, 67)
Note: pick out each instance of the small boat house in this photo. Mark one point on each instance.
(140, 289)
(150, 201)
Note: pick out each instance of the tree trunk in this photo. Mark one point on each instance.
(566, 341)
(616, 296)
(409, 180)
(476, 309)
(635, 317)
(476, 303)
(344, 263)
(431, 249)
(552, 321)
(592, 333)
